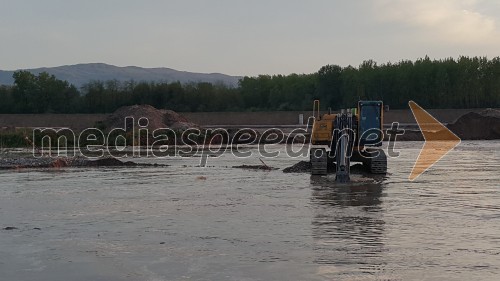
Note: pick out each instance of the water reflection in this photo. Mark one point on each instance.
(348, 226)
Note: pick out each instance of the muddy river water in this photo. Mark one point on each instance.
(220, 223)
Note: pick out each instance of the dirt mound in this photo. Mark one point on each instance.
(300, 167)
(107, 162)
(490, 112)
(478, 126)
(48, 162)
(172, 117)
(484, 125)
(305, 167)
(156, 118)
(255, 167)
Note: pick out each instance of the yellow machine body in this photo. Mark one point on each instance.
(322, 131)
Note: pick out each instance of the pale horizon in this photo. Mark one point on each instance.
(244, 38)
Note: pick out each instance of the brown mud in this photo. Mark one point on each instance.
(157, 118)
(484, 125)
(47, 162)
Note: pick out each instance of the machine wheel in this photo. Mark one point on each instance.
(319, 161)
(377, 164)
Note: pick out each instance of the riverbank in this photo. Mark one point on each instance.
(125, 124)
(30, 162)
(82, 121)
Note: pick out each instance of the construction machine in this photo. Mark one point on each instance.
(351, 135)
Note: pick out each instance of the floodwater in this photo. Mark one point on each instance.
(170, 223)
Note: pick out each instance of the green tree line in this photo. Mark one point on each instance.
(466, 82)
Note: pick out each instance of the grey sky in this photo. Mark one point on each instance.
(243, 37)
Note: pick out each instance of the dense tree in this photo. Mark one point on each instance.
(462, 83)
(42, 94)
(6, 100)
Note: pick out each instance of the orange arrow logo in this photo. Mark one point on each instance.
(439, 140)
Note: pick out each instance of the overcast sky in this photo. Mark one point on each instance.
(243, 37)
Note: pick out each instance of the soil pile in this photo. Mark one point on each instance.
(255, 167)
(305, 167)
(300, 167)
(103, 162)
(490, 112)
(156, 118)
(176, 121)
(484, 125)
(48, 162)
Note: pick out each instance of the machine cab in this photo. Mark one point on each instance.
(370, 123)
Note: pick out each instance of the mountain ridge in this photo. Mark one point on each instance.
(82, 73)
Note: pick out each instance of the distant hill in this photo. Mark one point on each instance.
(80, 74)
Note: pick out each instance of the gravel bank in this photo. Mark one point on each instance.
(48, 162)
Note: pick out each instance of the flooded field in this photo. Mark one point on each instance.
(184, 222)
